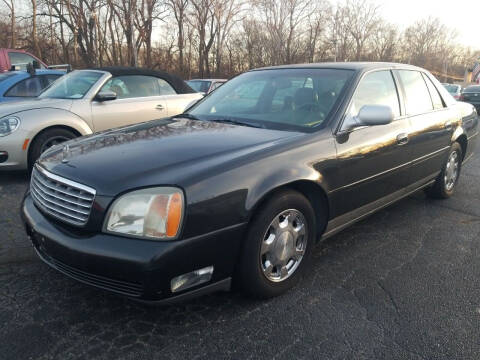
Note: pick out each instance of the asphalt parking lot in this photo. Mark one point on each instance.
(402, 284)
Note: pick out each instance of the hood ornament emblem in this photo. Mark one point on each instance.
(65, 153)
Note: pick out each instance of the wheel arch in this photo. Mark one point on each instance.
(52, 127)
(462, 140)
(313, 191)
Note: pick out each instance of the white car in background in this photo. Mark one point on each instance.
(84, 102)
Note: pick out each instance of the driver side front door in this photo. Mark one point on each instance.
(373, 160)
(138, 100)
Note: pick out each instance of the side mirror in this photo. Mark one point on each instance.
(105, 96)
(371, 115)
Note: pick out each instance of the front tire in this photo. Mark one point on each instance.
(46, 140)
(279, 243)
(446, 182)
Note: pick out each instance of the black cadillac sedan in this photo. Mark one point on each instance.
(240, 187)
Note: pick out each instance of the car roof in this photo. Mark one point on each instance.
(357, 66)
(24, 73)
(180, 86)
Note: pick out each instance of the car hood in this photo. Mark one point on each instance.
(9, 108)
(160, 152)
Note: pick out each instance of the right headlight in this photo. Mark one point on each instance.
(8, 125)
(153, 213)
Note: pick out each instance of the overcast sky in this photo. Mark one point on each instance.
(463, 15)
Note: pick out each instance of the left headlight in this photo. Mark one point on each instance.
(8, 125)
(153, 213)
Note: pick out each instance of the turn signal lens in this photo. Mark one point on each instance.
(155, 213)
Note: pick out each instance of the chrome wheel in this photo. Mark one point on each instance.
(283, 246)
(55, 140)
(451, 171)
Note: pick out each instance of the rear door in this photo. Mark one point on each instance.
(431, 121)
(139, 98)
(373, 160)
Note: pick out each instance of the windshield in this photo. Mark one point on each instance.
(72, 86)
(199, 85)
(452, 89)
(295, 99)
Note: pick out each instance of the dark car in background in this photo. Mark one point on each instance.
(471, 95)
(18, 58)
(242, 186)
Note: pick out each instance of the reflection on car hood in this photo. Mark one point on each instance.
(160, 152)
(9, 108)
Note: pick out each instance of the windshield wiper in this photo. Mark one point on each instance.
(220, 120)
(187, 116)
(236, 122)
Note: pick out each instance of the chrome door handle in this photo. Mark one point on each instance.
(448, 125)
(402, 139)
(159, 107)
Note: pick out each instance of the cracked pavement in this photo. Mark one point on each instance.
(402, 284)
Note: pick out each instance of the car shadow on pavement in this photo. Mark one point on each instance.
(13, 177)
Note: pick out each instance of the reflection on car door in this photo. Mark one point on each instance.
(138, 99)
(373, 160)
(431, 124)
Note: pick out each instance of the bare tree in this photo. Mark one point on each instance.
(34, 29)
(148, 11)
(385, 43)
(226, 14)
(362, 21)
(203, 21)
(179, 8)
(11, 7)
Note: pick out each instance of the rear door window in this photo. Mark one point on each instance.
(134, 86)
(418, 100)
(30, 87)
(436, 99)
(376, 88)
(165, 88)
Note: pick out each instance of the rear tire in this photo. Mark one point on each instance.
(278, 246)
(446, 182)
(46, 140)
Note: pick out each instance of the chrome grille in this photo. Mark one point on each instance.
(65, 199)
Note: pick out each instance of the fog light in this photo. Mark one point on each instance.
(190, 279)
(3, 156)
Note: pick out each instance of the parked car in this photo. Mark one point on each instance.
(454, 90)
(471, 94)
(20, 58)
(21, 85)
(206, 86)
(84, 102)
(243, 184)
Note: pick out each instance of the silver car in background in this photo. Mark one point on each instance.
(84, 102)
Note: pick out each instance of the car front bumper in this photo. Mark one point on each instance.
(140, 269)
(12, 144)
